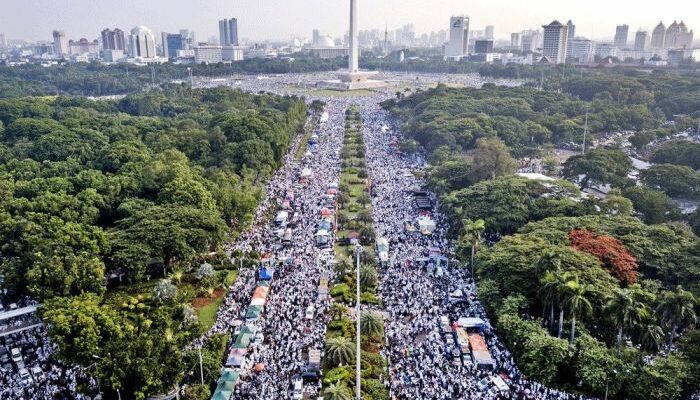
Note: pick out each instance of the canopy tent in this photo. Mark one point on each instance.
(218, 395)
(249, 329)
(242, 341)
(332, 191)
(229, 375)
(326, 212)
(322, 236)
(305, 173)
(266, 274)
(333, 185)
(225, 386)
(426, 225)
(236, 357)
(253, 313)
(471, 322)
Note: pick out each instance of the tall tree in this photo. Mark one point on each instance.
(576, 297)
(472, 237)
(625, 310)
(677, 307)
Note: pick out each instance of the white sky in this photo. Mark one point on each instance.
(281, 19)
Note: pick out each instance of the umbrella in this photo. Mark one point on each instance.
(259, 367)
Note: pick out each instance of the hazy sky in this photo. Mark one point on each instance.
(280, 19)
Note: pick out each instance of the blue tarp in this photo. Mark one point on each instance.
(266, 274)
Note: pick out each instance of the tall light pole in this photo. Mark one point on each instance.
(585, 132)
(201, 369)
(358, 249)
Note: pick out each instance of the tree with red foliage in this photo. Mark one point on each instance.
(610, 251)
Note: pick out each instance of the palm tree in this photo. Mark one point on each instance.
(177, 274)
(576, 298)
(337, 310)
(676, 308)
(336, 391)
(340, 350)
(625, 310)
(372, 324)
(364, 216)
(472, 236)
(368, 277)
(550, 263)
(651, 337)
(553, 286)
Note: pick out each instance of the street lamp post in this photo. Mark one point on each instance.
(358, 249)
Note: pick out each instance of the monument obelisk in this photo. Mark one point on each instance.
(354, 78)
(353, 59)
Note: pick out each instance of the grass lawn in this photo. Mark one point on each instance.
(209, 307)
(342, 93)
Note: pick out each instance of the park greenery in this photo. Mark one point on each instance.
(113, 214)
(355, 221)
(591, 295)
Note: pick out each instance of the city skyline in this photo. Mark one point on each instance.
(260, 21)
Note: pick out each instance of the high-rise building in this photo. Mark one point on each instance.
(581, 50)
(483, 46)
(3, 42)
(570, 35)
(83, 46)
(621, 32)
(172, 42)
(142, 43)
(555, 41)
(316, 35)
(530, 40)
(488, 31)
(228, 32)
(60, 43)
(208, 54)
(641, 40)
(678, 36)
(515, 40)
(113, 39)
(457, 46)
(658, 36)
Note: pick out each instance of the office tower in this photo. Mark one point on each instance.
(60, 42)
(641, 40)
(83, 46)
(658, 36)
(113, 39)
(621, 32)
(678, 36)
(316, 35)
(228, 32)
(483, 46)
(581, 50)
(570, 35)
(530, 40)
(208, 54)
(142, 43)
(3, 42)
(488, 31)
(459, 37)
(172, 42)
(515, 40)
(555, 41)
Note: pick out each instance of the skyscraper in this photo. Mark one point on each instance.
(555, 41)
(113, 39)
(641, 40)
(228, 32)
(570, 35)
(621, 32)
(316, 35)
(142, 43)
(172, 42)
(488, 31)
(459, 37)
(515, 39)
(581, 50)
(678, 36)
(3, 42)
(60, 42)
(530, 40)
(658, 36)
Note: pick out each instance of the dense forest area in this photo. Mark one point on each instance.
(143, 186)
(591, 295)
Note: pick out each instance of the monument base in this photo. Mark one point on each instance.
(353, 81)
